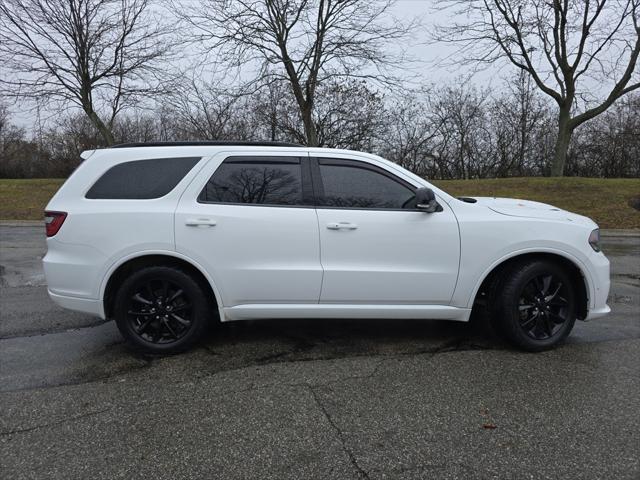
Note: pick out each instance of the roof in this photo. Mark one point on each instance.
(207, 143)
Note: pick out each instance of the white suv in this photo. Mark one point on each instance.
(168, 238)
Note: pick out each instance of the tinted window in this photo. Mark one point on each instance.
(256, 180)
(347, 185)
(142, 179)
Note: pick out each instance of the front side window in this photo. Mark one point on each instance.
(256, 180)
(141, 179)
(350, 184)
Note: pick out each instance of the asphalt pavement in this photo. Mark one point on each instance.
(313, 399)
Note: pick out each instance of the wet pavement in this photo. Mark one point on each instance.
(313, 399)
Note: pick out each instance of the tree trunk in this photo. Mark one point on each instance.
(105, 132)
(562, 143)
(309, 127)
(87, 106)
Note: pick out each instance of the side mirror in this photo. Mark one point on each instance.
(426, 200)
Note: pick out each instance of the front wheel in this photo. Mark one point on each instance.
(536, 305)
(161, 310)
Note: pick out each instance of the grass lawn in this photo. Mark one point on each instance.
(604, 200)
(25, 199)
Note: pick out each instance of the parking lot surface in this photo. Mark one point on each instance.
(313, 399)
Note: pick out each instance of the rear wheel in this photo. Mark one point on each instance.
(161, 310)
(536, 305)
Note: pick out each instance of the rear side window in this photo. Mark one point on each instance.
(256, 180)
(348, 184)
(142, 179)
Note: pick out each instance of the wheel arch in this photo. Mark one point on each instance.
(578, 274)
(125, 266)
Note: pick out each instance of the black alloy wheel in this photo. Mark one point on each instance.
(534, 304)
(163, 309)
(160, 311)
(543, 307)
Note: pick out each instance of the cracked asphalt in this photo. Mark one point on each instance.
(313, 399)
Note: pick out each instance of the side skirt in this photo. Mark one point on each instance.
(272, 311)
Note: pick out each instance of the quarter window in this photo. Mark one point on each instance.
(348, 185)
(141, 179)
(256, 180)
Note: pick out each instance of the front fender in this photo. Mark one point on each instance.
(468, 299)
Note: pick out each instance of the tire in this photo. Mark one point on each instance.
(484, 315)
(162, 310)
(535, 305)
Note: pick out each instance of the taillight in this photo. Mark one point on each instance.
(53, 221)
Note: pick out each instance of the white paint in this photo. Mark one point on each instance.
(266, 262)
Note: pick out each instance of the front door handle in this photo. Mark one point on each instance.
(200, 222)
(341, 226)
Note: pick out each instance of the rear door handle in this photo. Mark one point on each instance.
(200, 222)
(341, 226)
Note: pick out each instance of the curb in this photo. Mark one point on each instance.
(619, 233)
(22, 223)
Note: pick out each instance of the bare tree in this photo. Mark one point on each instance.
(609, 146)
(519, 121)
(568, 47)
(465, 138)
(207, 110)
(99, 55)
(411, 134)
(275, 114)
(8, 131)
(12, 145)
(306, 42)
(349, 114)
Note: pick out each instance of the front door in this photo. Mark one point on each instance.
(376, 248)
(250, 222)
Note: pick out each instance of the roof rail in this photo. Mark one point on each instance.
(207, 143)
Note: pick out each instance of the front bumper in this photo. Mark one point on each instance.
(598, 312)
(601, 283)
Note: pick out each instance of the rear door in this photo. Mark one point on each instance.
(250, 221)
(376, 247)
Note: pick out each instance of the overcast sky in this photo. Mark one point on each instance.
(418, 47)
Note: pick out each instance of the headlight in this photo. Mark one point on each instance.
(594, 239)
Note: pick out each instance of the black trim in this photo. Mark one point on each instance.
(318, 187)
(270, 205)
(308, 192)
(206, 143)
(262, 159)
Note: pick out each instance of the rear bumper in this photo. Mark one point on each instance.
(73, 270)
(86, 305)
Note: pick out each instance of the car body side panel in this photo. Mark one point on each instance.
(392, 257)
(97, 233)
(389, 256)
(489, 238)
(254, 253)
(168, 253)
